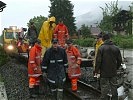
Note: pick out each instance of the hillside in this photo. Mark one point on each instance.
(89, 18)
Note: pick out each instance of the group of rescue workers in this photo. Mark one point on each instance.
(54, 57)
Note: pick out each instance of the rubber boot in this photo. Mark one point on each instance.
(74, 86)
(32, 93)
(59, 95)
(37, 90)
(54, 95)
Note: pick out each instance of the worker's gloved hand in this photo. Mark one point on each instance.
(66, 70)
(75, 66)
(35, 69)
(44, 74)
(96, 75)
(124, 66)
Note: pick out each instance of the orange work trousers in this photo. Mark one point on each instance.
(34, 81)
(74, 84)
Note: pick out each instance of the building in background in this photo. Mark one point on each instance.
(95, 30)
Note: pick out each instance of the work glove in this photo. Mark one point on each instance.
(123, 66)
(66, 70)
(96, 75)
(75, 66)
(44, 74)
(35, 69)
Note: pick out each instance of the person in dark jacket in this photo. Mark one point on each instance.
(108, 60)
(54, 64)
(32, 33)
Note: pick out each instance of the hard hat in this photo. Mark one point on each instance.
(69, 41)
(52, 19)
(54, 40)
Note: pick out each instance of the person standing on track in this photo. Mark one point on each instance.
(99, 42)
(108, 60)
(34, 69)
(46, 34)
(54, 66)
(74, 61)
(32, 33)
(61, 33)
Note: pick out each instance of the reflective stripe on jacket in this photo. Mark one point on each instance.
(54, 64)
(34, 62)
(74, 61)
(61, 33)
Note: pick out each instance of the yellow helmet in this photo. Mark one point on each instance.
(52, 19)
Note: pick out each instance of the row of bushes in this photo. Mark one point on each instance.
(87, 42)
(123, 41)
(120, 40)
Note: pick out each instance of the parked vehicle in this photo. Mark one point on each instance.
(14, 40)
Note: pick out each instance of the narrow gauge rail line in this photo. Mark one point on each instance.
(85, 91)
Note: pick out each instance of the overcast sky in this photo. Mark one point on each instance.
(19, 12)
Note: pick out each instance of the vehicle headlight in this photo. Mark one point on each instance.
(29, 47)
(10, 47)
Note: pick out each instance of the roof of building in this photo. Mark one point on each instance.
(95, 30)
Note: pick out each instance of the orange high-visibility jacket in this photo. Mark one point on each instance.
(74, 61)
(61, 33)
(34, 68)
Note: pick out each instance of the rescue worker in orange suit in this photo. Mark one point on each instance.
(34, 69)
(54, 64)
(74, 61)
(46, 34)
(61, 33)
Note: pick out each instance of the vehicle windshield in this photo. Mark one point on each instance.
(11, 35)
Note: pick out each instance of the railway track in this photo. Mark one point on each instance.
(85, 91)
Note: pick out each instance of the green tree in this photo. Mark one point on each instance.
(85, 31)
(63, 9)
(1, 38)
(38, 21)
(109, 11)
(122, 21)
